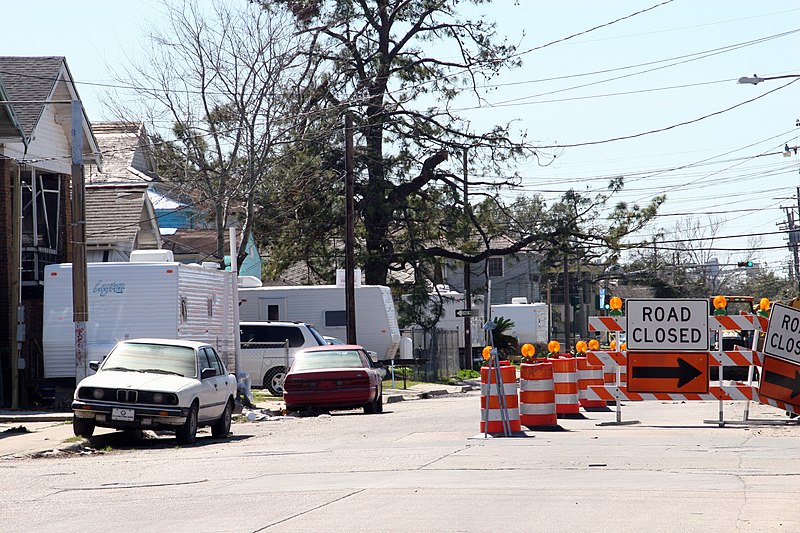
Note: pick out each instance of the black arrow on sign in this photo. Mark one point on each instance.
(684, 372)
(793, 384)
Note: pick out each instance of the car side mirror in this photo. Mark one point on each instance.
(207, 373)
(377, 364)
(94, 365)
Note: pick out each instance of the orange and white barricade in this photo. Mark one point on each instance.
(490, 399)
(589, 376)
(565, 381)
(537, 395)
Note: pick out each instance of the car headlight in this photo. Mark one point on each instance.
(98, 394)
(158, 397)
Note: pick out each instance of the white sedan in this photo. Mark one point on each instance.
(157, 384)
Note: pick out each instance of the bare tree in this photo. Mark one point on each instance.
(686, 260)
(220, 82)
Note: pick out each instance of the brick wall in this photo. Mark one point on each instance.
(6, 198)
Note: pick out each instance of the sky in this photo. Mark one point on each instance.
(661, 81)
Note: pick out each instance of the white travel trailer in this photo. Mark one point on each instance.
(323, 306)
(531, 321)
(151, 296)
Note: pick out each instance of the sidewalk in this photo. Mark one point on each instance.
(31, 432)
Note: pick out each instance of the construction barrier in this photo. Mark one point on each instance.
(490, 399)
(589, 375)
(537, 395)
(616, 363)
(565, 380)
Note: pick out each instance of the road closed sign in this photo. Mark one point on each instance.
(667, 325)
(783, 333)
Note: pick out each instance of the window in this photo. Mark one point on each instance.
(251, 336)
(273, 312)
(210, 359)
(217, 362)
(184, 309)
(40, 209)
(494, 267)
(204, 360)
(335, 319)
(210, 306)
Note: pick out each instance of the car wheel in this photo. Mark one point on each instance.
(82, 427)
(187, 433)
(375, 406)
(222, 427)
(273, 380)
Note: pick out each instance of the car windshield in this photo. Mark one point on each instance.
(327, 359)
(157, 358)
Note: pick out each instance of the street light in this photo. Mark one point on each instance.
(756, 79)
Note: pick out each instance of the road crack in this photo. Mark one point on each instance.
(310, 510)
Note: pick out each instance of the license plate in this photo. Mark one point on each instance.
(125, 415)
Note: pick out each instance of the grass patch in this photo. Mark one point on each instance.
(73, 439)
(467, 374)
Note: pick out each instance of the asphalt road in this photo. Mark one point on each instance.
(423, 466)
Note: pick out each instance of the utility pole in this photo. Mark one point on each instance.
(794, 241)
(567, 323)
(17, 315)
(793, 238)
(349, 259)
(80, 313)
(467, 287)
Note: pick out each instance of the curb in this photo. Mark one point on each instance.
(35, 417)
(424, 395)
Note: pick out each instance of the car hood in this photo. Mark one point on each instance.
(137, 380)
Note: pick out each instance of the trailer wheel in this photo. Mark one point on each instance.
(273, 380)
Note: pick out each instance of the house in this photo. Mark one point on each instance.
(119, 219)
(120, 216)
(132, 207)
(35, 166)
(200, 245)
(511, 276)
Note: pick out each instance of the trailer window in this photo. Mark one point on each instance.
(210, 306)
(184, 309)
(335, 319)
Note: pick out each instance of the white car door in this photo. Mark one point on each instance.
(213, 389)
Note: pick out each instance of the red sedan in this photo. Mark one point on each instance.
(334, 377)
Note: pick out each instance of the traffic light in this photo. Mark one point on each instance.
(745, 263)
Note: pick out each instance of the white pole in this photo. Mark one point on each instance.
(235, 302)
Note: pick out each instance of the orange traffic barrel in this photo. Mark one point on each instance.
(565, 381)
(537, 397)
(490, 399)
(588, 376)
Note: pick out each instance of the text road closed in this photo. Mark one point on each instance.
(667, 324)
(783, 333)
